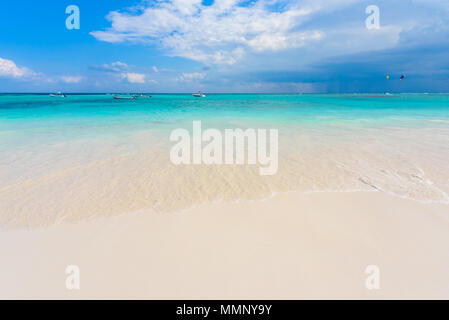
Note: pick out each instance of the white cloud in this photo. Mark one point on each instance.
(112, 67)
(134, 77)
(119, 71)
(440, 4)
(228, 31)
(9, 69)
(72, 79)
(220, 33)
(155, 69)
(276, 42)
(191, 76)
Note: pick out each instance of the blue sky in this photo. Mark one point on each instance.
(224, 46)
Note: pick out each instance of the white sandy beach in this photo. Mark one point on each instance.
(291, 246)
(228, 150)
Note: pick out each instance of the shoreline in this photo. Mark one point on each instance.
(216, 202)
(197, 206)
(289, 246)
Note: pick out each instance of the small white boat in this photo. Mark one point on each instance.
(124, 98)
(58, 94)
(199, 95)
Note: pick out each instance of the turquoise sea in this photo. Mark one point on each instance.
(87, 155)
(28, 117)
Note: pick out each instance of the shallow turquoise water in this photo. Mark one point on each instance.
(32, 122)
(102, 108)
(89, 155)
(26, 118)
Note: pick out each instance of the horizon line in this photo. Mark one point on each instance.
(216, 93)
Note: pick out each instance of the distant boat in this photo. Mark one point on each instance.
(199, 95)
(58, 94)
(145, 95)
(124, 98)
